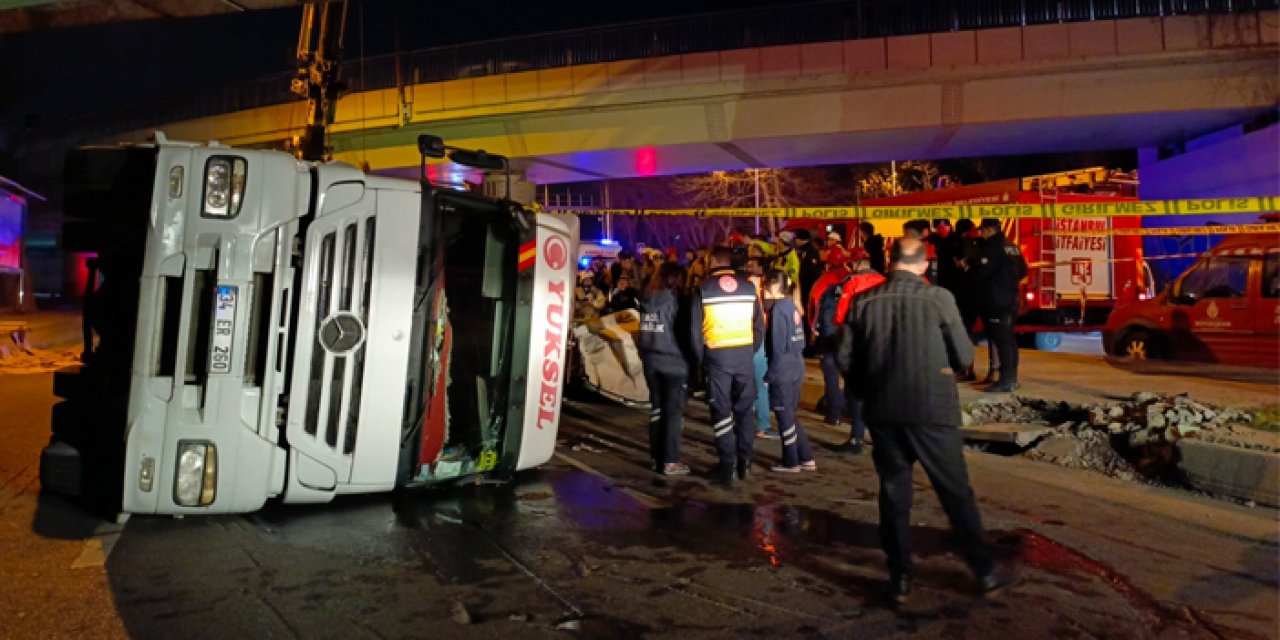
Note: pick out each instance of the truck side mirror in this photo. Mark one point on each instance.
(431, 146)
(1177, 297)
(478, 159)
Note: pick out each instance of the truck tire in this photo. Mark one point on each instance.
(1048, 340)
(1140, 344)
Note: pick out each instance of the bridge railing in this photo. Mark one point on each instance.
(806, 23)
(821, 22)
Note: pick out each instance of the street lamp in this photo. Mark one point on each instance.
(757, 177)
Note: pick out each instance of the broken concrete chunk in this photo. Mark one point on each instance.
(458, 612)
(1144, 437)
(1155, 418)
(1060, 449)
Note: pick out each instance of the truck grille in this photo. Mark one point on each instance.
(344, 285)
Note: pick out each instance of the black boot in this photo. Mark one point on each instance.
(722, 475)
(899, 589)
(1003, 576)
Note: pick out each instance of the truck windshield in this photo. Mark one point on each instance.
(1218, 277)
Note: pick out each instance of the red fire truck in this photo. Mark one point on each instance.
(1074, 281)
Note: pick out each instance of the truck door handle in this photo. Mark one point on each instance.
(1239, 306)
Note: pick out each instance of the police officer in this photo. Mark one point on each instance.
(999, 270)
(663, 346)
(785, 374)
(727, 328)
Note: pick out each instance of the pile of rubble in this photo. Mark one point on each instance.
(1150, 418)
(1080, 446)
(1023, 411)
(1134, 439)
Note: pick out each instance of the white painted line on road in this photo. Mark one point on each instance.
(98, 548)
(643, 498)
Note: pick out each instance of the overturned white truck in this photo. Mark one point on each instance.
(260, 327)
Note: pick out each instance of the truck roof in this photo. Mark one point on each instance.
(1249, 244)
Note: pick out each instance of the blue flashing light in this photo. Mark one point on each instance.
(608, 241)
(585, 262)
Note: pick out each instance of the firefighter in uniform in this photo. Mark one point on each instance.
(727, 329)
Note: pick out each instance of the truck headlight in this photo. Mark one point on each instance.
(224, 178)
(196, 481)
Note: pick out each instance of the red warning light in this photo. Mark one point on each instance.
(646, 161)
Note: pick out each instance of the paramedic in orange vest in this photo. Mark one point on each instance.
(727, 329)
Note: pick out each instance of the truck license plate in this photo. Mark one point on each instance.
(224, 322)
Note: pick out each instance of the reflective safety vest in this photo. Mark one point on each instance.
(728, 310)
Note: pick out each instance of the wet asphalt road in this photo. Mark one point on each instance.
(594, 546)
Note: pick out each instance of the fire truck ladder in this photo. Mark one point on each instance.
(1047, 278)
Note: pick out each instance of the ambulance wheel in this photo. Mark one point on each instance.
(1048, 340)
(1139, 344)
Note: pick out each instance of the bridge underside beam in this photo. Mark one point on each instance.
(1041, 111)
(812, 104)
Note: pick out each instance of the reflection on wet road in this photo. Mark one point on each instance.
(594, 546)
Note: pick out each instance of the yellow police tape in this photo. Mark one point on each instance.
(1000, 211)
(1210, 230)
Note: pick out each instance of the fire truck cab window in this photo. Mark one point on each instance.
(1271, 276)
(1217, 277)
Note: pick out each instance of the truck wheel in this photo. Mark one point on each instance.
(1048, 340)
(1141, 345)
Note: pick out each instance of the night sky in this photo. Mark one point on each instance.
(55, 74)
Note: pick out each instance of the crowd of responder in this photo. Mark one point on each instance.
(736, 321)
(976, 263)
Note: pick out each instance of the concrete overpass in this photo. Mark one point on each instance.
(1101, 84)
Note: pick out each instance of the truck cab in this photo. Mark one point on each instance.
(1224, 309)
(260, 327)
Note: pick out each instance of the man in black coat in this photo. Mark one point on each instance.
(907, 341)
(996, 276)
(874, 244)
(811, 268)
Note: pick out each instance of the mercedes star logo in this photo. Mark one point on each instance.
(341, 333)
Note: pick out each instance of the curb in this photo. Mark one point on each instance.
(1244, 474)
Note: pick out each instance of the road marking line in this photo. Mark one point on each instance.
(98, 547)
(643, 498)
